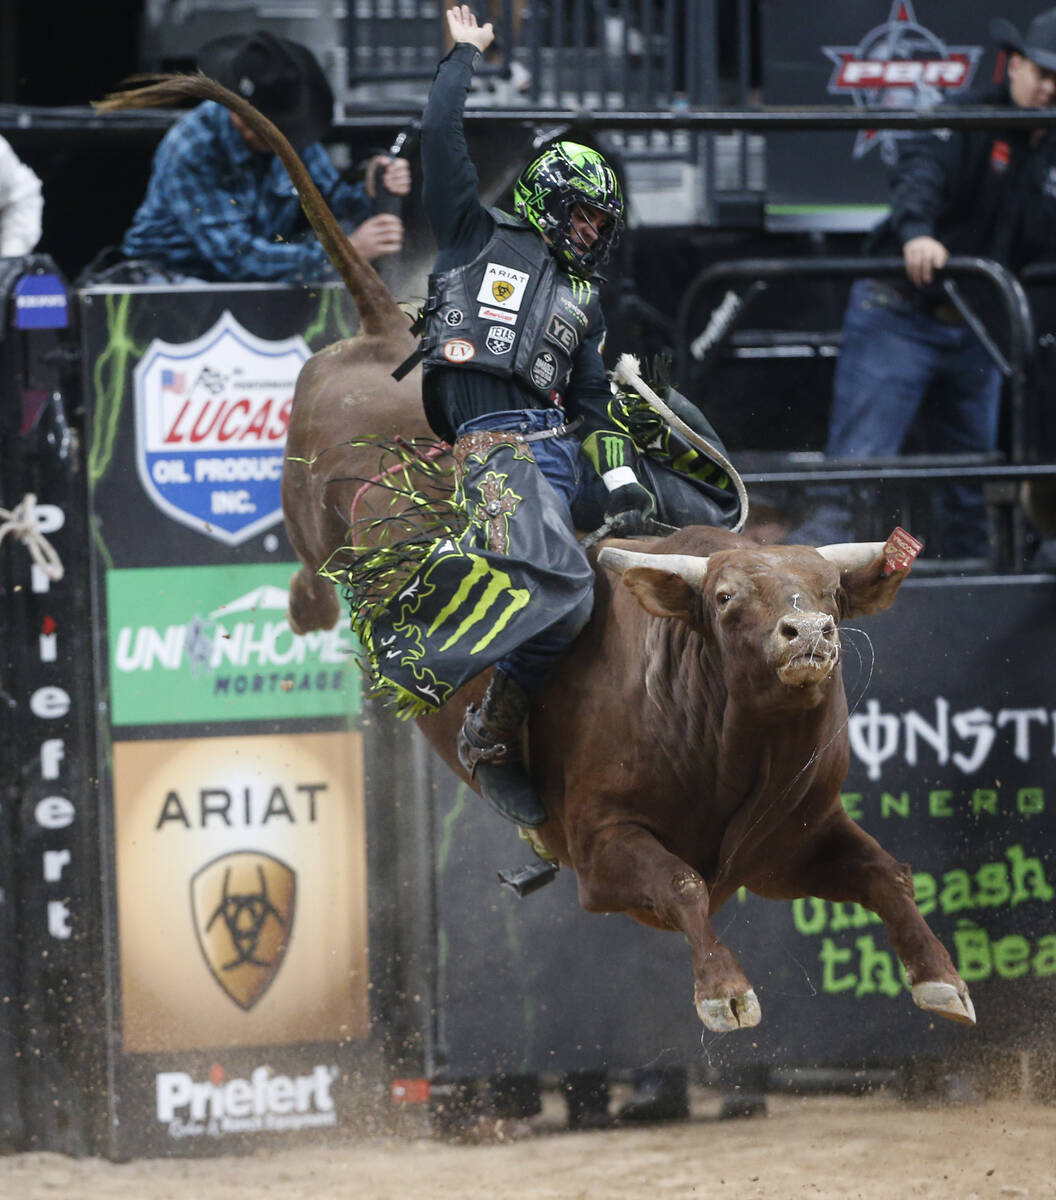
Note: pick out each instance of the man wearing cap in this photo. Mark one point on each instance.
(220, 206)
(907, 354)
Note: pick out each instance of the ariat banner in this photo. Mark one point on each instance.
(241, 891)
(206, 644)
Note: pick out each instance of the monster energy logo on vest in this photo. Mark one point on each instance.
(518, 314)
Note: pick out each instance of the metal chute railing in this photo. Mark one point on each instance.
(700, 340)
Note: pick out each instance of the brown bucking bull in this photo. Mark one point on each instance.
(694, 740)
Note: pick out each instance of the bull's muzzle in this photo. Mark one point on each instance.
(805, 647)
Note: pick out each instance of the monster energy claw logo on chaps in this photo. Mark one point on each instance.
(480, 594)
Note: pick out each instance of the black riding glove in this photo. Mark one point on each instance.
(631, 504)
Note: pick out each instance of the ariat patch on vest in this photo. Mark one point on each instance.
(504, 286)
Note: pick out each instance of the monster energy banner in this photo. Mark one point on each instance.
(230, 758)
(953, 770)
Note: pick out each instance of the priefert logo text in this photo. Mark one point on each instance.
(261, 1094)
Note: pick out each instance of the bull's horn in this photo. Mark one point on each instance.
(689, 567)
(849, 556)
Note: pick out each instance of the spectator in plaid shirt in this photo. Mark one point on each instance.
(220, 206)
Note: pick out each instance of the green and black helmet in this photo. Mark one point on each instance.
(564, 175)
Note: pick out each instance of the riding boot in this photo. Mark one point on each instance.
(489, 747)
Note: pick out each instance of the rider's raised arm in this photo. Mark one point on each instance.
(449, 179)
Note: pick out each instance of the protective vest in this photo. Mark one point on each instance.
(511, 312)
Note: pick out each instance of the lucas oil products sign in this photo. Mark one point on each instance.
(211, 422)
(190, 393)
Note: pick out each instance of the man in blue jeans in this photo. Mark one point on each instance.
(906, 355)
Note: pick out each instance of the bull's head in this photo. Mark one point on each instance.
(785, 601)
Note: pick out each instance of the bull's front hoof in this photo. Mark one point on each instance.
(946, 1000)
(735, 1012)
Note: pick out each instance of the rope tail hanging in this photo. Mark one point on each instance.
(21, 522)
(627, 371)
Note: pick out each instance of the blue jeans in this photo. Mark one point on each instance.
(561, 463)
(898, 365)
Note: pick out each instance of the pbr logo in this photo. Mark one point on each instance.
(211, 423)
(899, 64)
(243, 914)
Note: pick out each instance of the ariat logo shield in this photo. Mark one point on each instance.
(243, 904)
(503, 285)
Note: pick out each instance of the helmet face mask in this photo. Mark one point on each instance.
(549, 190)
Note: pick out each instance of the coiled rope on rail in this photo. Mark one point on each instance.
(21, 522)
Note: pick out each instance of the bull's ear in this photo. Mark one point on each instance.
(660, 592)
(868, 590)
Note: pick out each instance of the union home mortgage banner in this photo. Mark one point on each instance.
(231, 764)
(212, 644)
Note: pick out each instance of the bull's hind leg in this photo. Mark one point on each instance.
(846, 864)
(625, 869)
(313, 602)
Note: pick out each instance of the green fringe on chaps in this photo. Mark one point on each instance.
(433, 610)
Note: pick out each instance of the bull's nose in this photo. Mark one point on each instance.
(809, 625)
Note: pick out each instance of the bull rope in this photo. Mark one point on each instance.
(436, 450)
(627, 371)
(21, 522)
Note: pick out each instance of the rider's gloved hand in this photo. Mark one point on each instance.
(630, 505)
(613, 455)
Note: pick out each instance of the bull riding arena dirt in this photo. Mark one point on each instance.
(824, 1147)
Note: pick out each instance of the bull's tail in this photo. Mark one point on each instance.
(378, 311)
